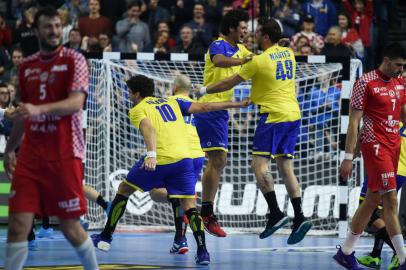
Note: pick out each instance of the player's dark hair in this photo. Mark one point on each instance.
(47, 11)
(199, 4)
(349, 20)
(142, 84)
(232, 19)
(271, 28)
(135, 3)
(17, 49)
(3, 85)
(75, 30)
(394, 50)
(185, 26)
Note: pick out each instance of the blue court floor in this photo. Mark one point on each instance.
(239, 251)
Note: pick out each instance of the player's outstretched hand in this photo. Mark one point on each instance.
(149, 164)
(346, 169)
(196, 90)
(10, 163)
(29, 110)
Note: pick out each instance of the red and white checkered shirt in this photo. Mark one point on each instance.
(46, 79)
(381, 99)
(316, 40)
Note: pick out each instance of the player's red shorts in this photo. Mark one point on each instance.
(381, 165)
(51, 188)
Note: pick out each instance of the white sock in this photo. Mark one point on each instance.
(87, 255)
(16, 255)
(349, 242)
(397, 242)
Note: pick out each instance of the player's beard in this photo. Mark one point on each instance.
(49, 47)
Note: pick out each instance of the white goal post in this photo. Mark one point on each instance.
(114, 145)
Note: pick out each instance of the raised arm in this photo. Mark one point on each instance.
(216, 106)
(223, 85)
(369, 8)
(149, 134)
(348, 7)
(220, 60)
(350, 142)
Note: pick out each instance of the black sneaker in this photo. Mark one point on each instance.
(274, 223)
(299, 229)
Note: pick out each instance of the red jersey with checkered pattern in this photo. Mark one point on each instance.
(381, 99)
(46, 79)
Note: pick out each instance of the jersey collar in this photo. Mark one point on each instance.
(382, 76)
(223, 39)
(275, 46)
(47, 57)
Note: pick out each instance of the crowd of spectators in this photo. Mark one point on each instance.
(355, 28)
(332, 27)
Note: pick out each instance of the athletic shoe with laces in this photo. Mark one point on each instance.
(394, 263)
(180, 246)
(274, 223)
(202, 256)
(369, 261)
(33, 245)
(347, 261)
(212, 226)
(45, 233)
(299, 230)
(102, 244)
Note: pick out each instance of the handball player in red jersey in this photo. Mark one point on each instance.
(47, 176)
(378, 97)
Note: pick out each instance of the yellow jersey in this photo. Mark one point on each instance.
(273, 83)
(402, 158)
(166, 116)
(213, 74)
(195, 148)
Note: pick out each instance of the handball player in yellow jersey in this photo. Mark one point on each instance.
(223, 58)
(167, 162)
(273, 90)
(181, 89)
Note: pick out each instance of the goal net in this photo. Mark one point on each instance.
(114, 146)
